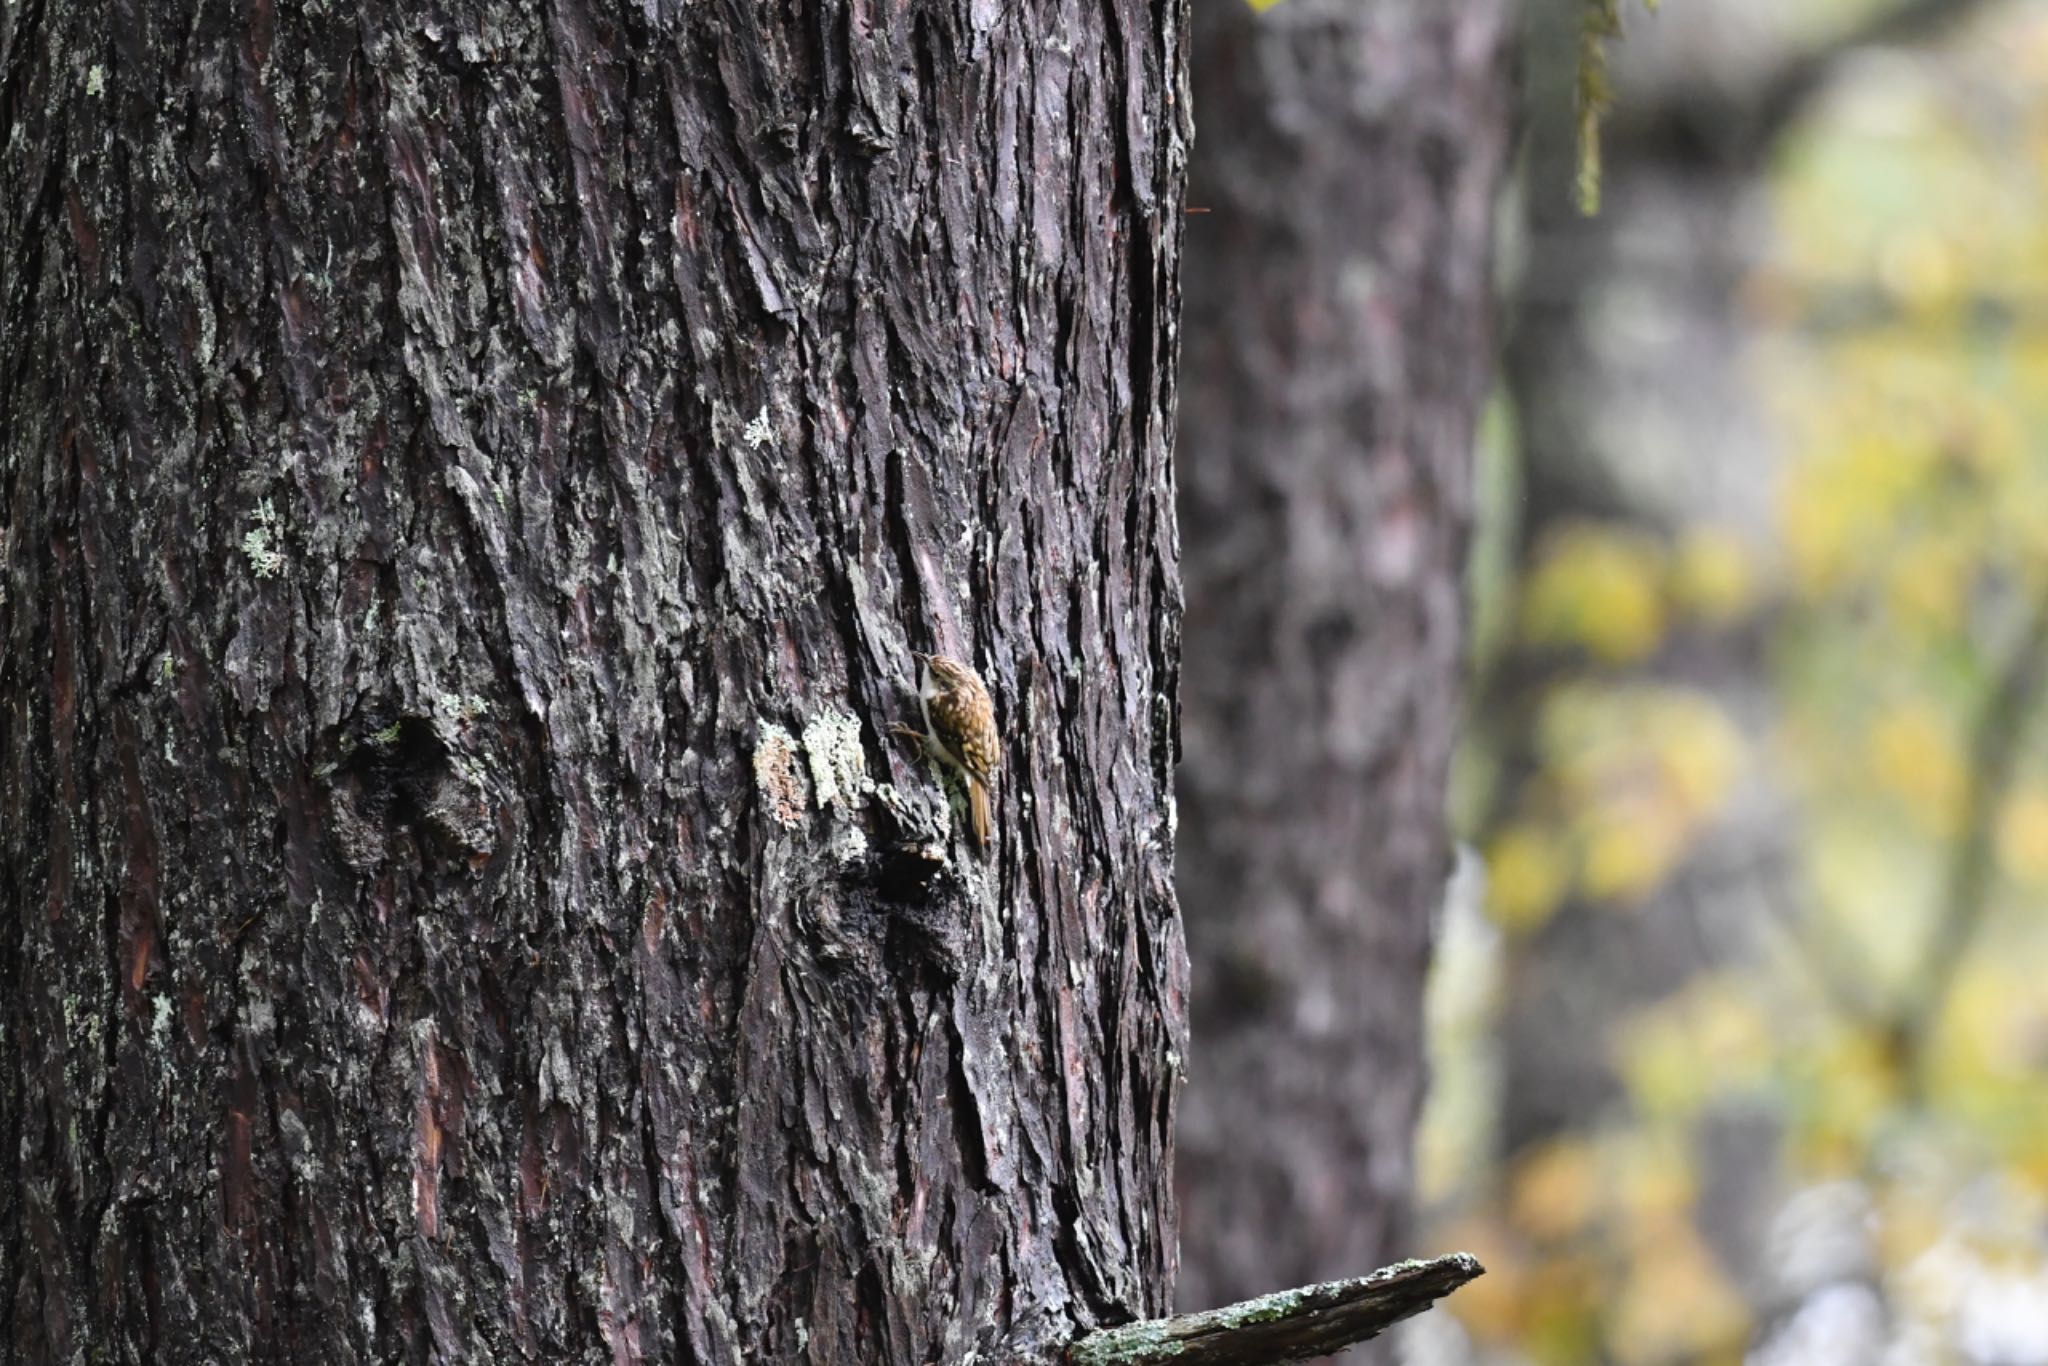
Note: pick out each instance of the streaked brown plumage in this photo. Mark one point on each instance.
(960, 726)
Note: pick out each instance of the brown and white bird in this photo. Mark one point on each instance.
(960, 727)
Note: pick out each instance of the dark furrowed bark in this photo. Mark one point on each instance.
(1338, 354)
(473, 476)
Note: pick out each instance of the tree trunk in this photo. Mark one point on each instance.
(473, 480)
(1337, 357)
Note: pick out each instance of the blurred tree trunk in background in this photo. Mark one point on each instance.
(447, 459)
(1337, 352)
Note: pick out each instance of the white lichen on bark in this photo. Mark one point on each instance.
(839, 767)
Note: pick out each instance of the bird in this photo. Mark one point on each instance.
(960, 727)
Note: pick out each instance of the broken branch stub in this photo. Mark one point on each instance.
(1289, 1325)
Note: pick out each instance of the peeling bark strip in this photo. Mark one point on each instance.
(1292, 1325)
(448, 456)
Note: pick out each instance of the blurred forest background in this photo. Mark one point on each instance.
(1744, 1050)
(1738, 1025)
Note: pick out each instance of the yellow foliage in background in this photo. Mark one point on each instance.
(1528, 875)
(1633, 776)
(1708, 1042)
(1713, 576)
(1676, 1302)
(1914, 755)
(1600, 588)
(1900, 350)
(2023, 837)
(1557, 1190)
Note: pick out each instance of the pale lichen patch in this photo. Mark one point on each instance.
(849, 845)
(778, 775)
(265, 560)
(839, 767)
(461, 707)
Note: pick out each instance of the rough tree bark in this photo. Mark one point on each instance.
(473, 477)
(1336, 358)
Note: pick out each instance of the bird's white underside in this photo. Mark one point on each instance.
(926, 686)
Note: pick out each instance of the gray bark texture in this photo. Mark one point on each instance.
(1337, 355)
(471, 478)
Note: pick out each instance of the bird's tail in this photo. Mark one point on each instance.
(977, 809)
